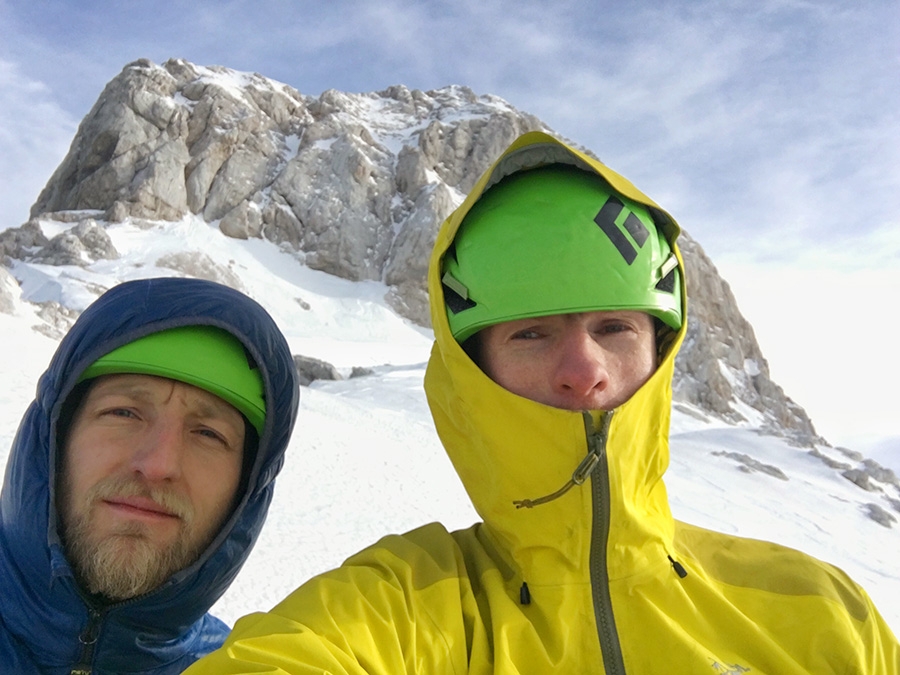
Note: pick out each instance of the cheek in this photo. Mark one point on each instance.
(75, 483)
(214, 483)
(520, 376)
(85, 463)
(636, 371)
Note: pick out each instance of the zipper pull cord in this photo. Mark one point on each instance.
(597, 445)
(678, 567)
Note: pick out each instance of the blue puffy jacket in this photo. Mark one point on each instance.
(47, 625)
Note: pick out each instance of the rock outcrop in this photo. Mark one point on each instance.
(356, 182)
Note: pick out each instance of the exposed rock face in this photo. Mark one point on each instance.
(20, 243)
(82, 245)
(358, 182)
(355, 180)
(57, 320)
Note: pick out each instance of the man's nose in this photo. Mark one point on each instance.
(581, 369)
(158, 453)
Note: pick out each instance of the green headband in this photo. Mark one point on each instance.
(203, 356)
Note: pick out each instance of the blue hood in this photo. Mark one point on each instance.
(43, 611)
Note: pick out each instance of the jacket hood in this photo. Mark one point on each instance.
(169, 624)
(508, 449)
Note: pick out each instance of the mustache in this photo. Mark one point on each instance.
(130, 486)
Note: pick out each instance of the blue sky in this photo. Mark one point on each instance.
(769, 128)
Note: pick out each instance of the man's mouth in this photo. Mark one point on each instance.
(141, 507)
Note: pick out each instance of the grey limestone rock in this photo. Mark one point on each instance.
(860, 478)
(310, 369)
(57, 319)
(358, 182)
(880, 515)
(880, 473)
(355, 184)
(852, 454)
(80, 245)
(201, 266)
(829, 462)
(22, 242)
(749, 464)
(895, 504)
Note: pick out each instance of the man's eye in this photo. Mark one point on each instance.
(213, 435)
(611, 328)
(120, 412)
(526, 334)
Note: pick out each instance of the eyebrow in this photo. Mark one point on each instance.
(213, 407)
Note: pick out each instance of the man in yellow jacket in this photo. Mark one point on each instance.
(558, 304)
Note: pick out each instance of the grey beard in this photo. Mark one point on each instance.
(125, 564)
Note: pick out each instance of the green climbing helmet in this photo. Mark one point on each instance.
(557, 240)
(203, 356)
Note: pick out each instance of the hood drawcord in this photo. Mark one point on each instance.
(596, 445)
(524, 594)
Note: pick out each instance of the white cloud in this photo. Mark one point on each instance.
(35, 134)
(768, 127)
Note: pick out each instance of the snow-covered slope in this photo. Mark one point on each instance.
(365, 460)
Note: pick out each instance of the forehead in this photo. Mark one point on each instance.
(151, 388)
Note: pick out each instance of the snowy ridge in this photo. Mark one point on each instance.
(365, 460)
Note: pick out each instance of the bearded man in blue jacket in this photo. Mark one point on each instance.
(140, 478)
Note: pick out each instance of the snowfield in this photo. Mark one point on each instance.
(365, 460)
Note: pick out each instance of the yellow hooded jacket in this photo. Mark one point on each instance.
(597, 578)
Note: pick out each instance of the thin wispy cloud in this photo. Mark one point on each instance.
(35, 134)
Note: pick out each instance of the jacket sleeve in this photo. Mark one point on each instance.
(879, 648)
(393, 608)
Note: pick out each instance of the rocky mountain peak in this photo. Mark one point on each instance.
(356, 183)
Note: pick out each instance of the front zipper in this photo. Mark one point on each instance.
(610, 648)
(88, 639)
(91, 633)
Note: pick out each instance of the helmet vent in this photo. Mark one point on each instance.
(606, 219)
(455, 302)
(456, 294)
(667, 283)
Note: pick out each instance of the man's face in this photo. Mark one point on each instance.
(149, 473)
(586, 361)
